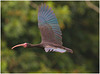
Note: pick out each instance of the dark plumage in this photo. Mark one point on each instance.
(50, 32)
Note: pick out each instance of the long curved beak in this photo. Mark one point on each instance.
(17, 46)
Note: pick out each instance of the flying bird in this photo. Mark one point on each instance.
(50, 32)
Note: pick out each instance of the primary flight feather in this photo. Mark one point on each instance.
(49, 26)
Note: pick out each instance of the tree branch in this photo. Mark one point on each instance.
(92, 6)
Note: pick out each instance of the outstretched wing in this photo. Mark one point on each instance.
(48, 25)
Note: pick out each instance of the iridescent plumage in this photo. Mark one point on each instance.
(48, 25)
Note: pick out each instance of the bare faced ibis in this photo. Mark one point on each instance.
(50, 32)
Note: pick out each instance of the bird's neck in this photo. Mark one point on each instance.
(36, 45)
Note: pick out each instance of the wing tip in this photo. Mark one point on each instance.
(42, 5)
(46, 7)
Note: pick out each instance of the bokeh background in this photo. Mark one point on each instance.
(79, 22)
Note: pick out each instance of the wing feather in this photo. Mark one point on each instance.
(48, 25)
(51, 49)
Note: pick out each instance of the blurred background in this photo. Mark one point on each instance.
(79, 22)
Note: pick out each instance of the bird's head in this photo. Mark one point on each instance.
(25, 45)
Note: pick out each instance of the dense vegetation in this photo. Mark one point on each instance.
(80, 29)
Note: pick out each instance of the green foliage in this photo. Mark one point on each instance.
(79, 25)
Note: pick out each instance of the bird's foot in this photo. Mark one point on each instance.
(69, 50)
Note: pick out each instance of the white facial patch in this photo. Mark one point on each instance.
(49, 49)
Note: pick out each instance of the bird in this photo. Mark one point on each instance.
(51, 34)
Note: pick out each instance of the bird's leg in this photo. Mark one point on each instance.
(69, 50)
(24, 45)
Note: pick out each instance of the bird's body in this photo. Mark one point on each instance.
(50, 32)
